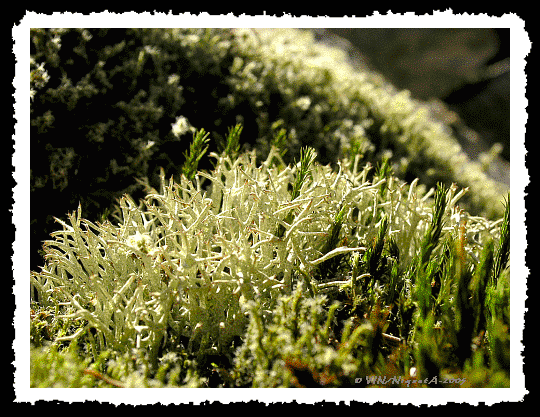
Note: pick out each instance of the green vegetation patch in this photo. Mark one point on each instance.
(253, 212)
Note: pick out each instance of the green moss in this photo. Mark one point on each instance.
(50, 368)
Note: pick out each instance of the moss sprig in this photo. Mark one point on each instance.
(197, 149)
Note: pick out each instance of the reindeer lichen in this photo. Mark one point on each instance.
(209, 265)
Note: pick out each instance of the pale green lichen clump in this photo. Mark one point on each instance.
(189, 262)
